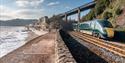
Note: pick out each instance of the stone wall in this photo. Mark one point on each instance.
(63, 54)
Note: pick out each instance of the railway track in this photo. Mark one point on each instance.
(116, 49)
(106, 41)
(80, 52)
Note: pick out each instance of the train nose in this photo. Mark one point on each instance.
(110, 32)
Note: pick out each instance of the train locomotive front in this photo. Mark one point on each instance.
(98, 28)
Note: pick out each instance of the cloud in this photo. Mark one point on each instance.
(53, 3)
(5, 16)
(67, 7)
(29, 3)
(30, 13)
(7, 13)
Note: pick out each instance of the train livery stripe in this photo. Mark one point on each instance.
(86, 31)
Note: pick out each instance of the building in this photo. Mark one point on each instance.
(43, 22)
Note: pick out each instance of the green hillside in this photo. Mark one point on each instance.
(113, 10)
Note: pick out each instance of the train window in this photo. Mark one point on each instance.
(106, 24)
(84, 26)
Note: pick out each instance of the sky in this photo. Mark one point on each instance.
(34, 9)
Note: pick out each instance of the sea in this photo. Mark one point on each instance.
(11, 38)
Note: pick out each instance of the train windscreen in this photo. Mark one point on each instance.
(106, 24)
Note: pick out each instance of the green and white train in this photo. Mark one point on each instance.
(98, 28)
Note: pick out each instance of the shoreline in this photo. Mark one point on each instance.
(34, 33)
(31, 35)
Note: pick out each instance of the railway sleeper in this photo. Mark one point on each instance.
(106, 54)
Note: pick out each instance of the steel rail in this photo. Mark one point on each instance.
(101, 44)
(109, 42)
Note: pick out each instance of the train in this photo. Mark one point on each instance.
(100, 28)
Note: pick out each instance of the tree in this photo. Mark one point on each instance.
(118, 11)
(101, 5)
(107, 15)
(54, 21)
(89, 16)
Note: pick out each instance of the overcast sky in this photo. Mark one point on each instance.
(33, 9)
